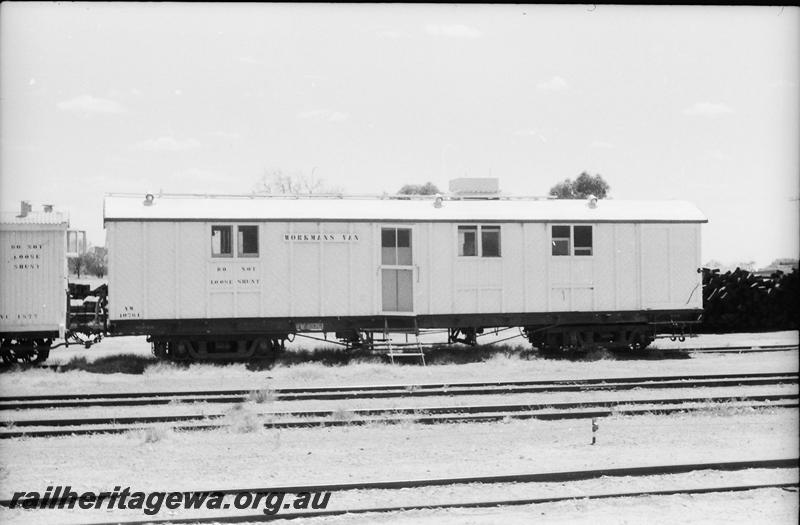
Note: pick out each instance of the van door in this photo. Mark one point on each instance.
(397, 270)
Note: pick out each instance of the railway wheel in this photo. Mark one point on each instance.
(30, 351)
(7, 351)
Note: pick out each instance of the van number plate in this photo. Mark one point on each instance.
(309, 327)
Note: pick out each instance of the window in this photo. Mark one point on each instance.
(489, 245)
(467, 237)
(389, 246)
(583, 240)
(490, 241)
(222, 241)
(396, 247)
(561, 240)
(248, 241)
(563, 237)
(76, 242)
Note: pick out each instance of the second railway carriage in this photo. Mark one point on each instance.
(235, 276)
(33, 283)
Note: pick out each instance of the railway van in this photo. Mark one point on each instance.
(33, 283)
(208, 276)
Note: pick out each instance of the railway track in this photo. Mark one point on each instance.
(551, 477)
(742, 349)
(395, 391)
(421, 415)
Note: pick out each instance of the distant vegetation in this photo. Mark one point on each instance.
(275, 182)
(581, 187)
(93, 262)
(428, 188)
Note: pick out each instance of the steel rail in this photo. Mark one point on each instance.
(415, 389)
(742, 350)
(444, 392)
(466, 505)
(419, 419)
(457, 409)
(545, 477)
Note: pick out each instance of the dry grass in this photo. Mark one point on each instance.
(113, 364)
(240, 420)
(262, 395)
(154, 434)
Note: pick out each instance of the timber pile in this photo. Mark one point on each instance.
(739, 301)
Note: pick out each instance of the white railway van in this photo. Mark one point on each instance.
(237, 275)
(33, 283)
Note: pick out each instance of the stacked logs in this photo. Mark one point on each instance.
(740, 301)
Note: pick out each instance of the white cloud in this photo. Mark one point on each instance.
(166, 144)
(707, 109)
(452, 30)
(531, 133)
(718, 155)
(323, 114)
(89, 105)
(392, 34)
(338, 116)
(228, 135)
(249, 60)
(599, 144)
(554, 84)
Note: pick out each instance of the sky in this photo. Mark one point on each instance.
(693, 103)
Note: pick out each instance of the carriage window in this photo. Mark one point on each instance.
(561, 240)
(248, 241)
(467, 241)
(388, 244)
(490, 241)
(396, 247)
(403, 246)
(583, 240)
(572, 240)
(221, 241)
(469, 244)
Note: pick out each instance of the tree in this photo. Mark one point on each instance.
(276, 182)
(428, 188)
(581, 187)
(91, 262)
(96, 261)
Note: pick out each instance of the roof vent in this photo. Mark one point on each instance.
(591, 201)
(148, 199)
(475, 188)
(437, 203)
(24, 208)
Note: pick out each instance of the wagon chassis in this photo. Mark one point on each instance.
(262, 338)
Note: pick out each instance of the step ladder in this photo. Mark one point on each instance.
(407, 349)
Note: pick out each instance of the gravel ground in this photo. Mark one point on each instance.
(245, 455)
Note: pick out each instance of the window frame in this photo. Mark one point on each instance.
(571, 251)
(470, 228)
(395, 230)
(478, 229)
(239, 252)
(575, 246)
(235, 245)
(221, 254)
